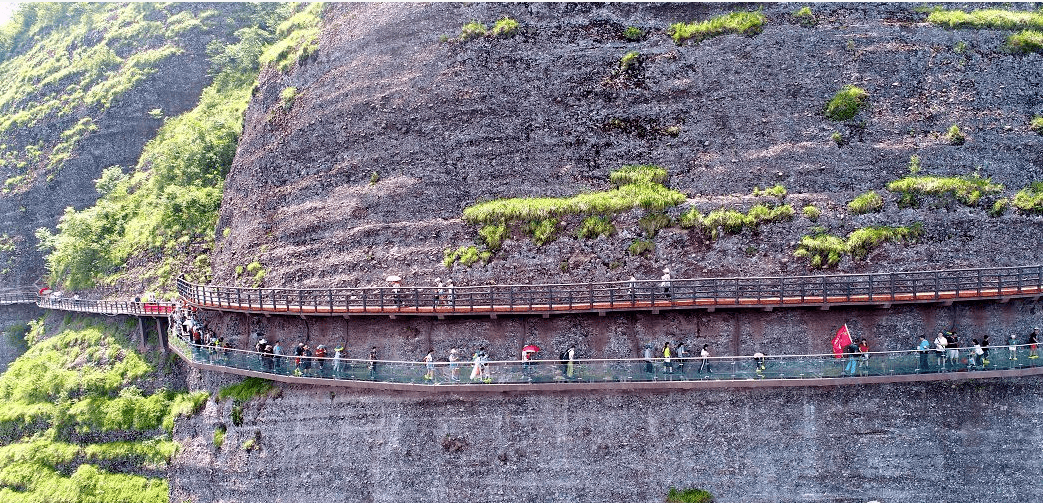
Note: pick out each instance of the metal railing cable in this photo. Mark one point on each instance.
(621, 370)
(779, 291)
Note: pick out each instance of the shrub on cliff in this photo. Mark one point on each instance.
(1025, 41)
(689, 496)
(866, 202)
(846, 103)
(826, 250)
(1037, 124)
(75, 387)
(1030, 199)
(987, 19)
(747, 23)
(967, 190)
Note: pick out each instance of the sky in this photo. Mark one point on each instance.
(6, 9)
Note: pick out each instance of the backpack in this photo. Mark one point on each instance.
(565, 357)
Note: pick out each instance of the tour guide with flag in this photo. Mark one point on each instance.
(841, 340)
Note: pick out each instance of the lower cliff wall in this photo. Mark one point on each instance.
(961, 441)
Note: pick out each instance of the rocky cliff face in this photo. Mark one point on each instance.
(446, 123)
(899, 443)
(40, 182)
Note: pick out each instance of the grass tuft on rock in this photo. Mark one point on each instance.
(967, 190)
(846, 103)
(747, 23)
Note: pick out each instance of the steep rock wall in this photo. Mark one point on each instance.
(953, 442)
(446, 123)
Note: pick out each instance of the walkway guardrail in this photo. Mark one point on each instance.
(891, 364)
(18, 296)
(109, 307)
(708, 293)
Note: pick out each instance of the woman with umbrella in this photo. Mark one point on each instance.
(396, 285)
(526, 355)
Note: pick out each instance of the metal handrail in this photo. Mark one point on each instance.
(18, 296)
(777, 291)
(109, 307)
(626, 370)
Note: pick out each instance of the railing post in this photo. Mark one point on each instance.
(870, 297)
(825, 294)
(416, 299)
(591, 285)
(239, 297)
(510, 297)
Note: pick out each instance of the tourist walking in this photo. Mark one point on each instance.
(682, 356)
(665, 282)
(940, 342)
(704, 356)
(953, 349)
(570, 365)
(454, 364)
(429, 362)
(649, 369)
(985, 351)
(975, 357)
(1033, 339)
(923, 348)
(668, 365)
(863, 360)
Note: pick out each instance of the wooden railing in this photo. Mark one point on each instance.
(708, 293)
(18, 296)
(110, 307)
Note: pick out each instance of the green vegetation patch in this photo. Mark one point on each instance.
(1037, 124)
(167, 205)
(846, 103)
(493, 235)
(297, 38)
(955, 136)
(1025, 41)
(996, 19)
(246, 390)
(778, 191)
(805, 17)
(727, 221)
(633, 33)
(636, 187)
(826, 250)
(866, 202)
(505, 27)
(1030, 199)
(967, 190)
(811, 212)
(689, 495)
(595, 226)
(465, 255)
(749, 23)
(77, 384)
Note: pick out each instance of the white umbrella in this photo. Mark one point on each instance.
(393, 278)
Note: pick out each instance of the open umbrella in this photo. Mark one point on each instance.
(531, 348)
(393, 278)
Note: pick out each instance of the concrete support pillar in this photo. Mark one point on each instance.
(141, 333)
(163, 343)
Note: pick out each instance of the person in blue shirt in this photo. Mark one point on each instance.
(924, 346)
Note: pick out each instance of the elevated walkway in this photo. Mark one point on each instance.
(612, 374)
(825, 291)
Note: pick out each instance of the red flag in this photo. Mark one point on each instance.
(843, 338)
